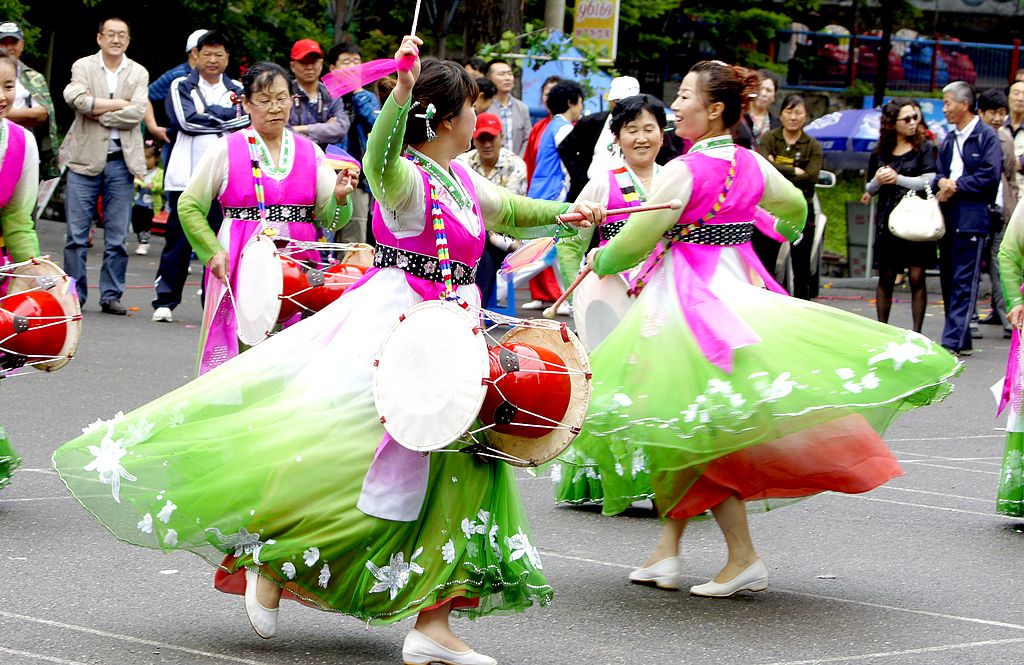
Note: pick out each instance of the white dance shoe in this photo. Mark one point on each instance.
(754, 578)
(419, 649)
(263, 620)
(665, 574)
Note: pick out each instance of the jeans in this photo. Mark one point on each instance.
(80, 199)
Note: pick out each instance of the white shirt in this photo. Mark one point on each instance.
(22, 98)
(604, 152)
(956, 164)
(115, 135)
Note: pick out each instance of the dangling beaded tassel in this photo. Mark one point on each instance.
(441, 241)
(257, 176)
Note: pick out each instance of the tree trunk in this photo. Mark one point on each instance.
(486, 20)
(554, 15)
(884, 48)
(341, 19)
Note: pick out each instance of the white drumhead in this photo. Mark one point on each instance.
(259, 284)
(598, 305)
(428, 383)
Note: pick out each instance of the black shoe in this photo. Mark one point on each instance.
(1007, 334)
(990, 320)
(113, 307)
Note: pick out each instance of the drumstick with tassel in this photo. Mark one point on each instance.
(674, 204)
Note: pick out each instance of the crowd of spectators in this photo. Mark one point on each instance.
(116, 175)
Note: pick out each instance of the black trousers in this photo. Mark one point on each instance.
(173, 271)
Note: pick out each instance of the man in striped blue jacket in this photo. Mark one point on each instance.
(202, 107)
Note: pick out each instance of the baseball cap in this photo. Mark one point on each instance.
(193, 39)
(487, 123)
(9, 29)
(622, 87)
(304, 47)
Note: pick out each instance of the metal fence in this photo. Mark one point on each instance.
(817, 60)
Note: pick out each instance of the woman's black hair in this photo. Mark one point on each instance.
(629, 109)
(261, 76)
(563, 95)
(487, 87)
(793, 100)
(442, 83)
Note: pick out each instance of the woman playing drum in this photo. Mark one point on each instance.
(292, 189)
(19, 182)
(271, 458)
(638, 125)
(736, 392)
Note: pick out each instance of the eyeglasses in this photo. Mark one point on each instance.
(909, 118)
(115, 35)
(280, 102)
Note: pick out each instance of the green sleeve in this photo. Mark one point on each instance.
(19, 233)
(333, 216)
(643, 230)
(158, 191)
(514, 215)
(193, 216)
(1011, 259)
(390, 177)
(572, 250)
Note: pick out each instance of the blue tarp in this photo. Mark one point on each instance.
(533, 80)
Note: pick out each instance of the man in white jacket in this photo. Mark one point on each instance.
(202, 106)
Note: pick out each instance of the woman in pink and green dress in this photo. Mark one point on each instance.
(278, 459)
(739, 395)
(299, 193)
(638, 125)
(19, 182)
(1010, 492)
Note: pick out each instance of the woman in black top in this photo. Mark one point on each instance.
(904, 159)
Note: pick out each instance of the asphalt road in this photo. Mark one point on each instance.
(919, 571)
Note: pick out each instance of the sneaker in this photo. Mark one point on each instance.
(965, 352)
(533, 304)
(162, 314)
(142, 249)
(565, 309)
(113, 307)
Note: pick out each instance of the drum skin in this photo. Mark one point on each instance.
(44, 337)
(529, 390)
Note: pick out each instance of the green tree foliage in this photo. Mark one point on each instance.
(16, 10)
(267, 28)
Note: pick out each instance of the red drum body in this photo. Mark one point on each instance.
(327, 286)
(522, 400)
(32, 324)
(529, 390)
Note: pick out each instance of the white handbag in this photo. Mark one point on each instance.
(917, 219)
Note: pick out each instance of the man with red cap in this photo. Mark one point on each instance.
(491, 159)
(317, 115)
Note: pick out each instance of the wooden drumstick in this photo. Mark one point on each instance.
(549, 313)
(674, 204)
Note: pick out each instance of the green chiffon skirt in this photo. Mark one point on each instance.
(801, 412)
(260, 463)
(9, 460)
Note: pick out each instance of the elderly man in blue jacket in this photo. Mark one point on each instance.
(967, 180)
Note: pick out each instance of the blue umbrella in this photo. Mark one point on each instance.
(847, 137)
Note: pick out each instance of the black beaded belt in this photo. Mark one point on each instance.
(423, 266)
(275, 213)
(610, 230)
(712, 234)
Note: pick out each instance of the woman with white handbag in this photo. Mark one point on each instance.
(907, 226)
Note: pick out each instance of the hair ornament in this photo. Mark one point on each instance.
(427, 116)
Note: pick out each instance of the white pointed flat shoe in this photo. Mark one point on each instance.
(263, 620)
(419, 649)
(754, 578)
(665, 574)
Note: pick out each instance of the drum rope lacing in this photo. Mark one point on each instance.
(43, 283)
(480, 447)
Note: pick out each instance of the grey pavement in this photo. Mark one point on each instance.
(919, 571)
